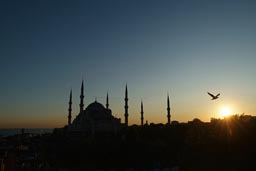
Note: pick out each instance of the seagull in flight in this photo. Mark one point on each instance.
(213, 96)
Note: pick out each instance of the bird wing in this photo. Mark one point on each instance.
(217, 95)
(211, 94)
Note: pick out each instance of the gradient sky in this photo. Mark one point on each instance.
(183, 47)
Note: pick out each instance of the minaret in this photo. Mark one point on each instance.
(82, 97)
(70, 108)
(168, 110)
(107, 105)
(141, 112)
(126, 106)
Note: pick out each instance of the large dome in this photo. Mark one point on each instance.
(97, 111)
(95, 119)
(95, 107)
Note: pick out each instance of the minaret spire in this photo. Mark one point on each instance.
(126, 106)
(107, 105)
(141, 112)
(168, 110)
(70, 108)
(82, 97)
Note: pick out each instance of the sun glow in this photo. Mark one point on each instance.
(225, 111)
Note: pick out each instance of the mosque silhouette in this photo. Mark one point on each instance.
(96, 119)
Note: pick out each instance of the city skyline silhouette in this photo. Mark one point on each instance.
(127, 85)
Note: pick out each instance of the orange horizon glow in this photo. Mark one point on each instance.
(153, 113)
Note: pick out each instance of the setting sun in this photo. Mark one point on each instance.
(225, 111)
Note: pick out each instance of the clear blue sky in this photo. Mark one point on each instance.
(183, 47)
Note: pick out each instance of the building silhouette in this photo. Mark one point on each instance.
(96, 119)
